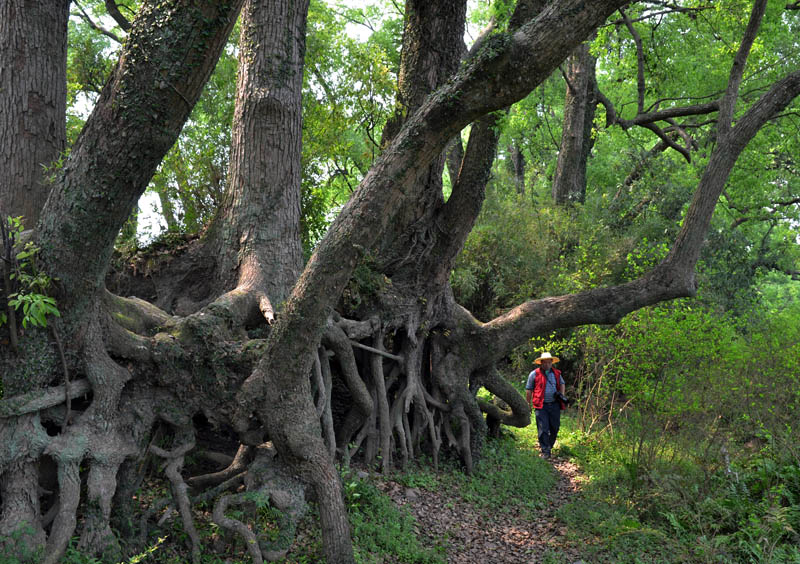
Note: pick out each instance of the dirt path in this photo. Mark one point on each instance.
(477, 538)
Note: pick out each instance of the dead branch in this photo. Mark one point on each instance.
(238, 465)
(376, 351)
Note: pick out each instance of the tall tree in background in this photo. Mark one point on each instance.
(569, 182)
(256, 234)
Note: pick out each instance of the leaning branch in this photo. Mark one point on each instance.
(673, 278)
(737, 69)
(38, 400)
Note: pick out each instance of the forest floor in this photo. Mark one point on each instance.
(472, 535)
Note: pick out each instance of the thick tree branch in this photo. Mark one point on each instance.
(99, 188)
(113, 11)
(671, 279)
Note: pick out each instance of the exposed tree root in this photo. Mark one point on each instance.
(179, 490)
(406, 397)
(250, 539)
(238, 465)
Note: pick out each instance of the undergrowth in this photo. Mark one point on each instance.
(683, 508)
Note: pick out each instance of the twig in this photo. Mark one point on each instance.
(376, 351)
(97, 27)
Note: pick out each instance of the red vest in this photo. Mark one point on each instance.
(539, 382)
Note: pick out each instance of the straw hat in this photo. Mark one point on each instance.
(546, 356)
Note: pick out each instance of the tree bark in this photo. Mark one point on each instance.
(569, 182)
(256, 236)
(33, 102)
(146, 101)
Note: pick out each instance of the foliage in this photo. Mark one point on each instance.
(519, 251)
(352, 59)
(30, 285)
(90, 59)
(687, 427)
(745, 511)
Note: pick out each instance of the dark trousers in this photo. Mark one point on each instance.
(548, 420)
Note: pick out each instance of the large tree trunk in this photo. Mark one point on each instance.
(256, 235)
(33, 102)
(145, 103)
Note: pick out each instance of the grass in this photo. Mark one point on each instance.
(510, 477)
(679, 509)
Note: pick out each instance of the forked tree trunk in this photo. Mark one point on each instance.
(569, 182)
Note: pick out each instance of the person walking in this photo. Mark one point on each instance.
(540, 391)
